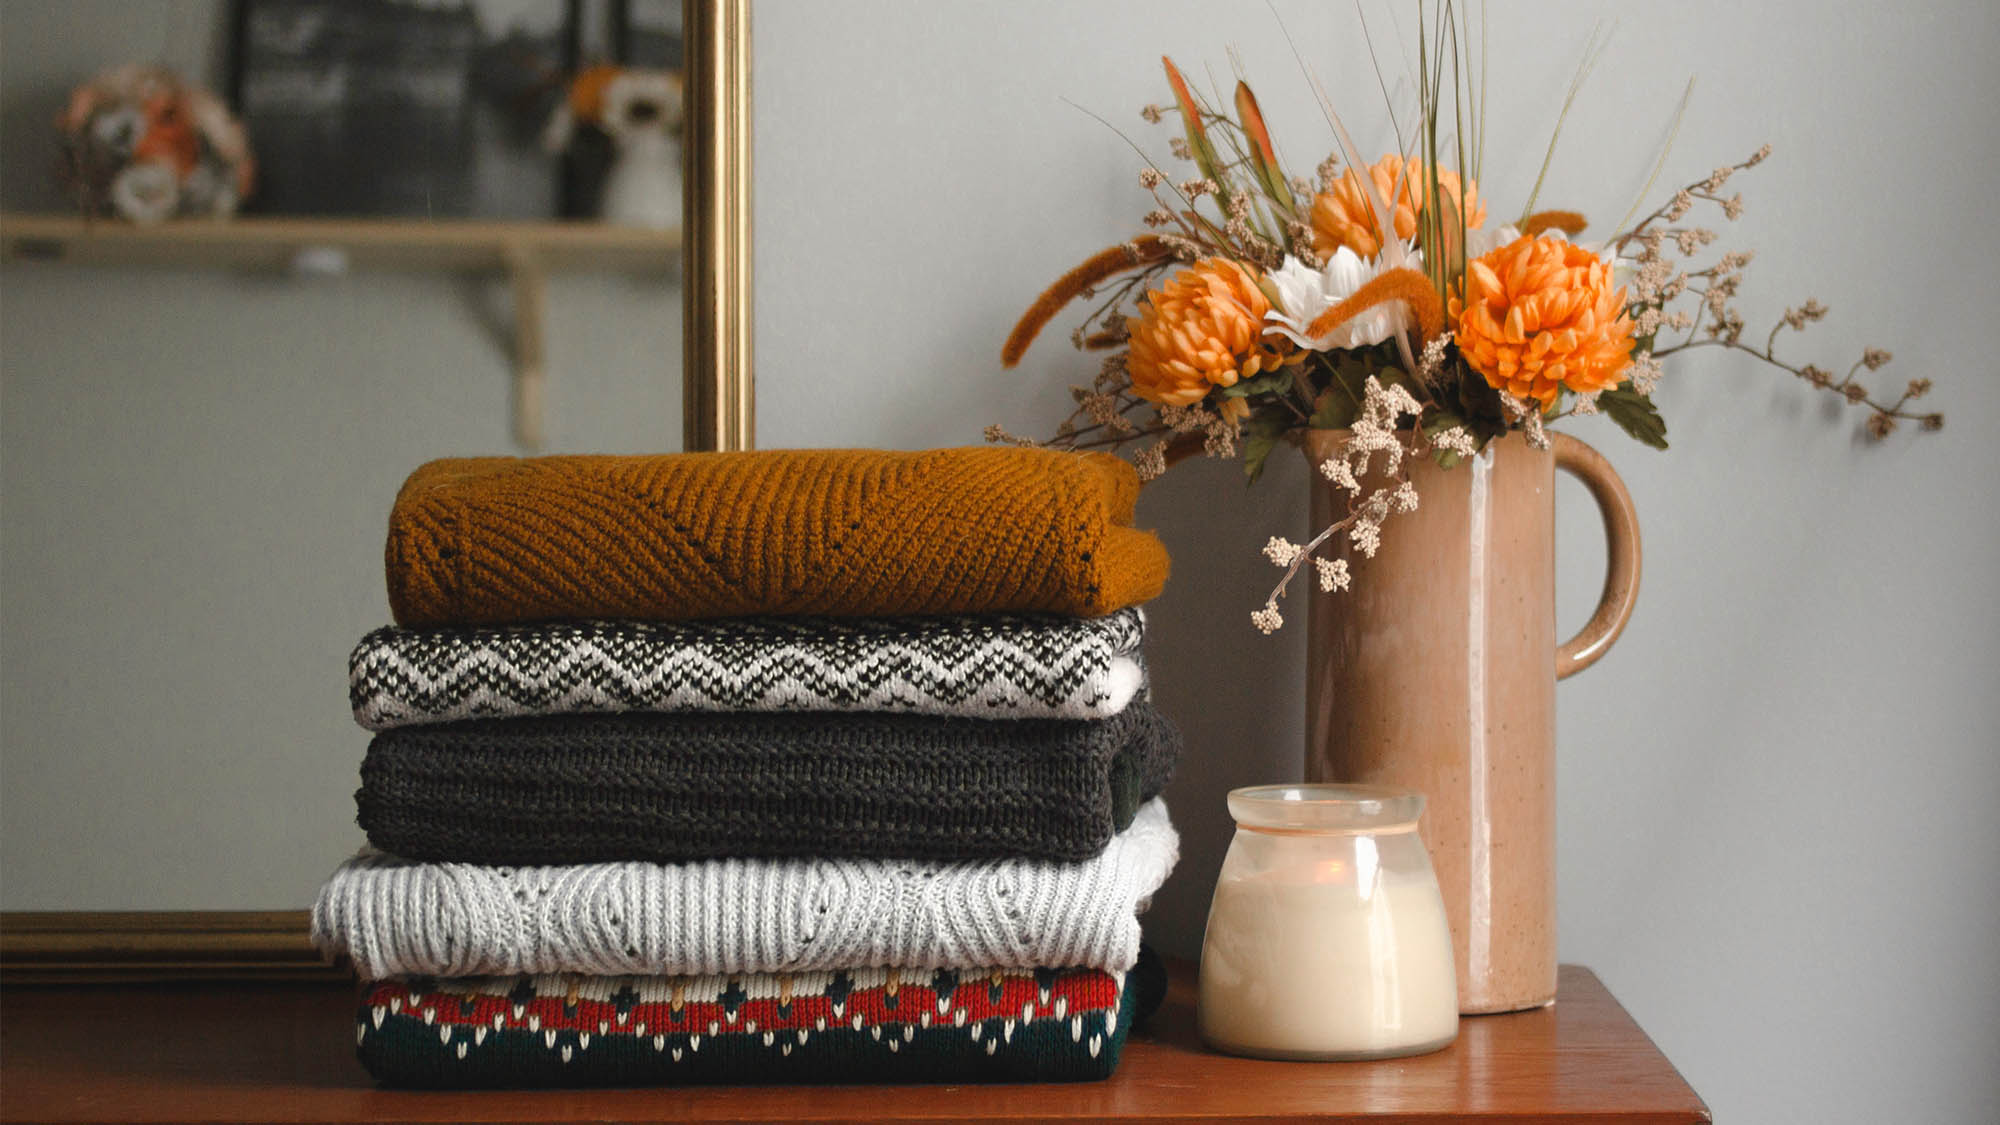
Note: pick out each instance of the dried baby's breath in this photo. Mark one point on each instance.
(1238, 214)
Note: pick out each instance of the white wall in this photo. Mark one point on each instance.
(1777, 827)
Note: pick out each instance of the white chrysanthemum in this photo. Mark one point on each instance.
(1304, 293)
(1479, 243)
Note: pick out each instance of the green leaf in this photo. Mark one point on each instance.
(1336, 411)
(1277, 382)
(1437, 420)
(1635, 414)
(1393, 376)
(1261, 434)
(1347, 374)
(1346, 384)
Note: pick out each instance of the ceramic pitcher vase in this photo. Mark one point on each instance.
(1436, 671)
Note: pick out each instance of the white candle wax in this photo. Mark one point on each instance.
(1322, 960)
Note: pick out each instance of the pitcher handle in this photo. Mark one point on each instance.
(1621, 577)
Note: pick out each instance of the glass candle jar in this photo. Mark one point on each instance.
(1327, 937)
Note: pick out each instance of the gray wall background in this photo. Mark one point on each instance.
(1776, 800)
(1777, 832)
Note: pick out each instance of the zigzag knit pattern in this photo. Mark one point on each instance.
(396, 918)
(832, 532)
(862, 1025)
(595, 788)
(997, 666)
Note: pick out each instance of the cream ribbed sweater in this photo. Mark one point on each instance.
(394, 918)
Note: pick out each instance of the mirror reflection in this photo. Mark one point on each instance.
(258, 260)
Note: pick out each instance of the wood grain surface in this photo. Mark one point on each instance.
(285, 1051)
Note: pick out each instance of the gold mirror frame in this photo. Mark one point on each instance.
(718, 413)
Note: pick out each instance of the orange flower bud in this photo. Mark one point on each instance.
(1345, 216)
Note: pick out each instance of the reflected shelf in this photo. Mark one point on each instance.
(525, 251)
(332, 244)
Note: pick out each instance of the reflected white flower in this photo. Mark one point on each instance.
(1304, 293)
(145, 192)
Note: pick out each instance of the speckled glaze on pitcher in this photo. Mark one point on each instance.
(1436, 671)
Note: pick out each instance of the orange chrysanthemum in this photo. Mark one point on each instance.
(1203, 329)
(1345, 216)
(1539, 314)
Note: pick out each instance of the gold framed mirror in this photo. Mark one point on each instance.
(717, 413)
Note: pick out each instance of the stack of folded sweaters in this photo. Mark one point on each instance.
(757, 767)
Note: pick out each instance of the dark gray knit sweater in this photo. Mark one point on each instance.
(673, 787)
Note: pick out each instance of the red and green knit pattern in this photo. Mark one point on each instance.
(868, 1025)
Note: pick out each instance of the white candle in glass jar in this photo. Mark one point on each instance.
(1327, 937)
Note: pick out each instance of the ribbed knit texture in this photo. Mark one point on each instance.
(397, 918)
(994, 666)
(863, 1025)
(597, 788)
(834, 532)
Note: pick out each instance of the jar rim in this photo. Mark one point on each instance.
(1326, 807)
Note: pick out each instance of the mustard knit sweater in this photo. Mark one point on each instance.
(836, 532)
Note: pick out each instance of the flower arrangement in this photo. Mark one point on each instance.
(1383, 299)
(141, 143)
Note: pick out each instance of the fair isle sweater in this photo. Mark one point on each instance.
(843, 1025)
(994, 666)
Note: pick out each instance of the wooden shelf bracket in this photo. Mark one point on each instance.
(527, 252)
(530, 282)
